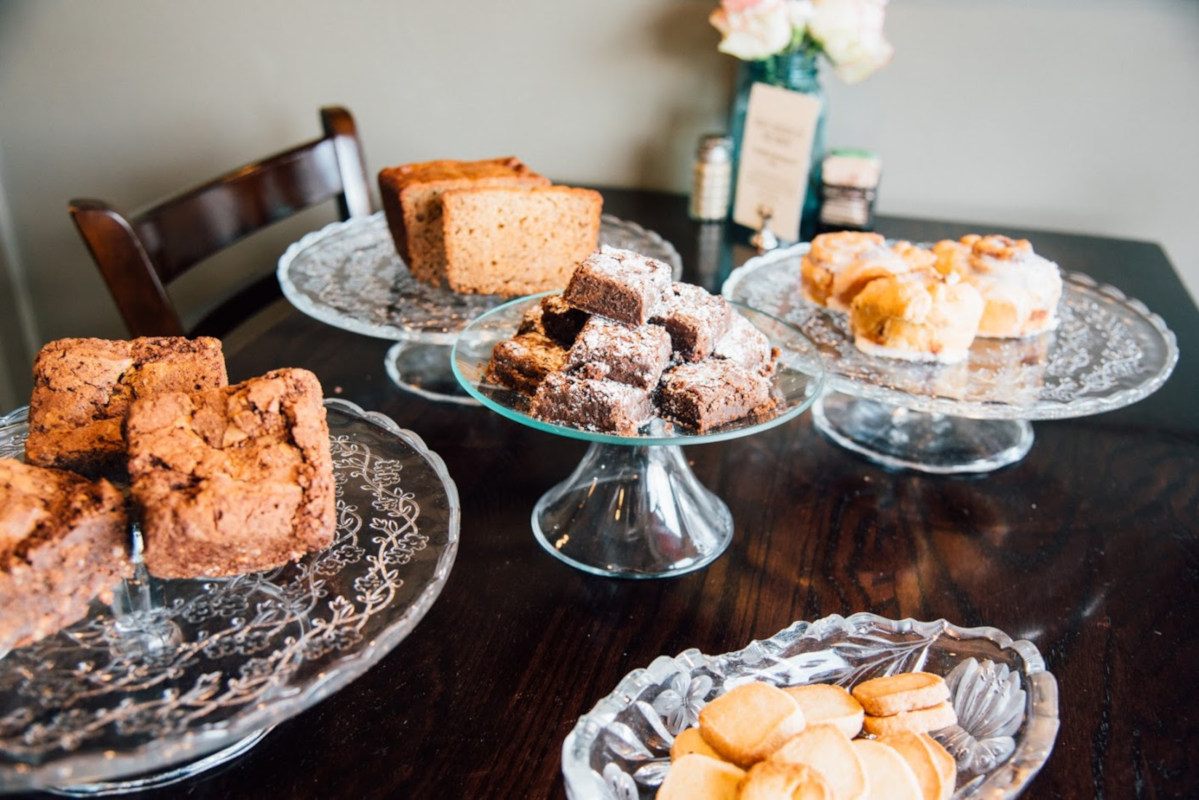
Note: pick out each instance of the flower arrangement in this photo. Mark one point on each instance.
(848, 32)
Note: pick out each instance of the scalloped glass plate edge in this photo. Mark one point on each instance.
(1037, 732)
(175, 754)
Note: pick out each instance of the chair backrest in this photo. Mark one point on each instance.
(139, 256)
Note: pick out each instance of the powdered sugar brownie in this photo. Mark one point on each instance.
(695, 320)
(620, 285)
(632, 355)
(711, 393)
(596, 405)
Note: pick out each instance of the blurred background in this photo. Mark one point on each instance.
(1070, 115)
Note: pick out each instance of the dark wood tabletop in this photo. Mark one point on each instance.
(1088, 547)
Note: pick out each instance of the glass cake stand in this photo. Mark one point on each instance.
(633, 508)
(178, 676)
(1107, 352)
(349, 275)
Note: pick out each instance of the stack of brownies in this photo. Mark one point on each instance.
(624, 343)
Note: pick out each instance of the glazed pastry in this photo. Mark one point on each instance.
(1020, 289)
(898, 259)
(829, 254)
(916, 317)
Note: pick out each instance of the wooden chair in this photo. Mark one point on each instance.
(140, 255)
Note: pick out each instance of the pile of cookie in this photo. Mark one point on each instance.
(928, 304)
(759, 741)
(624, 343)
(222, 479)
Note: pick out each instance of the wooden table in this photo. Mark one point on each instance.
(1089, 547)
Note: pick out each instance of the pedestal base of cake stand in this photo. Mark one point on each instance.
(632, 511)
(424, 369)
(167, 777)
(905, 439)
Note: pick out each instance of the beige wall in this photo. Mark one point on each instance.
(1061, 114)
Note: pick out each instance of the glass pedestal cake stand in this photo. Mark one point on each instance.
(633, 508)
(349, 275)
(179, 676)
(1107, 352)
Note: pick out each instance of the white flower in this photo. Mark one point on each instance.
(850, 32)
(752, 29)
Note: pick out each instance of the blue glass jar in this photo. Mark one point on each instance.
(799, 71)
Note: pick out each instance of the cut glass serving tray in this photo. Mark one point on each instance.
(180, 670)
(349, 275)
(1108, 351)
(1006, 701)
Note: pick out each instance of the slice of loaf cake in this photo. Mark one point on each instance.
(232, 480)
(517, 240)
(411, 196)
(62, 542)
(82, 389)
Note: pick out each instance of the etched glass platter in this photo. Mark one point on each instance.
(177, 674)
(1107, 351)
(1006, 701)
(349, 275)
(633, 507)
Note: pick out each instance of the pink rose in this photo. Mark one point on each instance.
(752, 29)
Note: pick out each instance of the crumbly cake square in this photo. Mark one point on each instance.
(695, 320)
(411, 195)
(63, 541)
(232, 480)
(618, 352)
(712, 392)
(82, 389)
(522, 362)
(597, 405)
(620, 285)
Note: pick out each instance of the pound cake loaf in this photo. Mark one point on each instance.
(514, 240)
(82, 389)
(63, 541)
(232, 480)
(411, 196)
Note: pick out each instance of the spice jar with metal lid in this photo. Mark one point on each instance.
(711, 179)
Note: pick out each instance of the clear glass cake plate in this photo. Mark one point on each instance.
(1107, 351)
(1006, 701)
(633, 508)
(177, 676)
(349, 275)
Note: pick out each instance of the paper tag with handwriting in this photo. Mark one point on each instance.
(776, 151)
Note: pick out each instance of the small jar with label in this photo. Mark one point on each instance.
(711, 179)
(849, 185)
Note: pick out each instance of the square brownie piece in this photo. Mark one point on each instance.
(695, 320)
(607, 349)
(82, 389)
(595, 405)
(712, 393)
(63, 541)
(522, 362)
(232, 480)
(620, 285)
(561, 321)
(747, 347)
